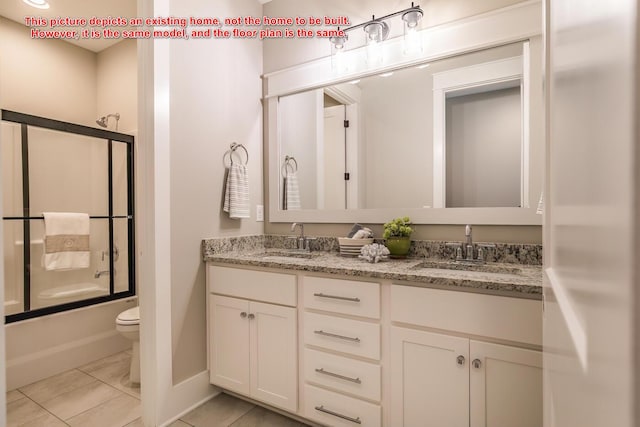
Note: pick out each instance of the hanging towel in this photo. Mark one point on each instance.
(236, 193)
(66, 241)
(291, 192)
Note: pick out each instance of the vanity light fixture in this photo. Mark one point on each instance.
(337, 52)
(377, 31)
(40, 4)
(412, 42)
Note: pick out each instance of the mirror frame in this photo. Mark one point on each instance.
(517, 23)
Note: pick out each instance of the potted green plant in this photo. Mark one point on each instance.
(397, 235)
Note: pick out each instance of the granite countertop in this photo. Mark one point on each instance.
(517, 280)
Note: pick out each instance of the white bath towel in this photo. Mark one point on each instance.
(291, 192)
(236, 193)
(66, 241)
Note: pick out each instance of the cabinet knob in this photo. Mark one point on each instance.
(243, 314)
(460, 360)
(252, 316)
(476, 363)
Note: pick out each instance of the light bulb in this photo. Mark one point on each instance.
(412, 41)
(40, 4)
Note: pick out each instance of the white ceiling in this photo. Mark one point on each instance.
(16, 10)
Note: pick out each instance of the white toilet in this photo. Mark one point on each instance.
(128, 324)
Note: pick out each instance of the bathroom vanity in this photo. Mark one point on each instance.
(342, 342)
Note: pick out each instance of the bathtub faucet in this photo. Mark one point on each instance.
(100, 273)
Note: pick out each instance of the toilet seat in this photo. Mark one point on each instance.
(129, 317)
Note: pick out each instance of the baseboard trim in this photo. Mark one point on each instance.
(180, 402)
(282, 412)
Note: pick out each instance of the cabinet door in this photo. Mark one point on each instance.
(229, 343)
(274, 355)
(506, 386)
(429, 379)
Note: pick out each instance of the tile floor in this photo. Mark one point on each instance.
(99, 394)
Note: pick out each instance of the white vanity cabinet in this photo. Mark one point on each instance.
(341, 366)
(253, 344)
(369, 353)
(456, 380)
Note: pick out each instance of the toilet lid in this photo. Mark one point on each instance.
(129, 317)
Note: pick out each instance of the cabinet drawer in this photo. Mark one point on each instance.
(342, 296)
(278, 288)
(511, 319)
(345, 335)
(334, 409)
(342, 374)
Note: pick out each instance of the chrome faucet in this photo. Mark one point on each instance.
(100, 273)
(464, 251)
(301, 225)
(302, 241)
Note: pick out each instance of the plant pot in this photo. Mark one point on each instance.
(398, 246)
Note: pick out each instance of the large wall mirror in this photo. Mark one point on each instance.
(453, 139)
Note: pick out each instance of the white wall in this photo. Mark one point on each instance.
(215, 91)
(48, 78)
(117, 81)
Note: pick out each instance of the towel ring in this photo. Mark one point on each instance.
(233, 147)
(287, 163)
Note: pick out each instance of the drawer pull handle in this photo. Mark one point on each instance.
(342, 337)
(321, 295)
(321, 408)
(243, 314)
(477, 363)
(342, 377)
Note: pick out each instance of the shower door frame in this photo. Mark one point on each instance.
(26, 120)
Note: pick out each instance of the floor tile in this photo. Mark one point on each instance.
(222, 410)
(58, 384)
(103, 363)
(22, 411)
(14, 395)
(114, 413)
(81, 399)
(114, 370)
(261, 417)
(136, 423)
(47, 420)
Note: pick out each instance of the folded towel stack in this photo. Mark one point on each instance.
(356, 227)
(236, 194)
(363, 233)
(66, 241)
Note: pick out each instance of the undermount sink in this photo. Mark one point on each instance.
(288, 254)
(468, 266)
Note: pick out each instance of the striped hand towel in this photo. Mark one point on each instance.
(291, 192)
(236, 193)
(66, 241)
